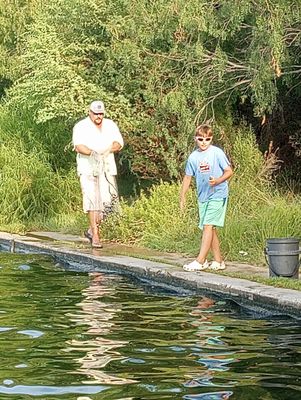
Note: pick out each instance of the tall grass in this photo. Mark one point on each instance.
(155, 220)
(38, 183)
(256, 211)
(30, 190)
(49, 141)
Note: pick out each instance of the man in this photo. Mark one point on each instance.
(96, 139)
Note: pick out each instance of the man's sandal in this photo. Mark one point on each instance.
(88, 235)
(96, 245)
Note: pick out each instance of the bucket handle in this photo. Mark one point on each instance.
(268, 252)
(281, 253)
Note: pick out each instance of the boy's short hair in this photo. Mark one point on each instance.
(204, 130)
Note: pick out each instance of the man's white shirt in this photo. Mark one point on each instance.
(97, 139)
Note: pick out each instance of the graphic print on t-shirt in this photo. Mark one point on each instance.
(204, 166)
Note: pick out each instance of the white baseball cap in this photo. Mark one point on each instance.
(97, 107)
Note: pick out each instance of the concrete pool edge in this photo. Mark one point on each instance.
(280, 300)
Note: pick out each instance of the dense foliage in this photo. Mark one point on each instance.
(161, 67)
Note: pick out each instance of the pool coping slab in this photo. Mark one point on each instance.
(244, 292)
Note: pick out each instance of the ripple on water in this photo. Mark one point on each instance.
(41, 390)
(31, 333)
(24, 267)
(209, 396)
(21, 366)
(5, 329)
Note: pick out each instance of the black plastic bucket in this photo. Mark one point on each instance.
(282, 255)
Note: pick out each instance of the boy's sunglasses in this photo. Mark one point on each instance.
(203, 139)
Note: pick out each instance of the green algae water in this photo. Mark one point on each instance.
(69, 335)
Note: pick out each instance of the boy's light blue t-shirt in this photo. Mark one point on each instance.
(202, 165)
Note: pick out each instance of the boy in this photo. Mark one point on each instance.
(211, 169)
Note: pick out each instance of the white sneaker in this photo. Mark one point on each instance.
(216, 265)
(195, 266)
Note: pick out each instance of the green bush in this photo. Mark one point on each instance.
(50, 142)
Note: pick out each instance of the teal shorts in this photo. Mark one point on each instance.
(212, 212)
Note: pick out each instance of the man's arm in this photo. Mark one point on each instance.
(77, 141)
(185, 186)
(117, 139)
(116, 146)
(82, 149)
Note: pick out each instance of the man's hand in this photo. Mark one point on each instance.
(116, 147)
(113, 148)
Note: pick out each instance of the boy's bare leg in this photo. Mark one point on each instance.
(216, 246)
(206, 243)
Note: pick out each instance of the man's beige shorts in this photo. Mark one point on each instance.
(97, 191)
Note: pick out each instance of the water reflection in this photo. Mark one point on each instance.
(97, 316)
(215, 360)
(116, 332)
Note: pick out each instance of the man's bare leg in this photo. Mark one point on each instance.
(94, 225)
(216, 247)
(206, 243)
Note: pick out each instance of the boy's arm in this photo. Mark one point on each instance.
(228, 172)
(185, 186)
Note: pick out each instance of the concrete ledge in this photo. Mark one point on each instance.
(249, 294)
